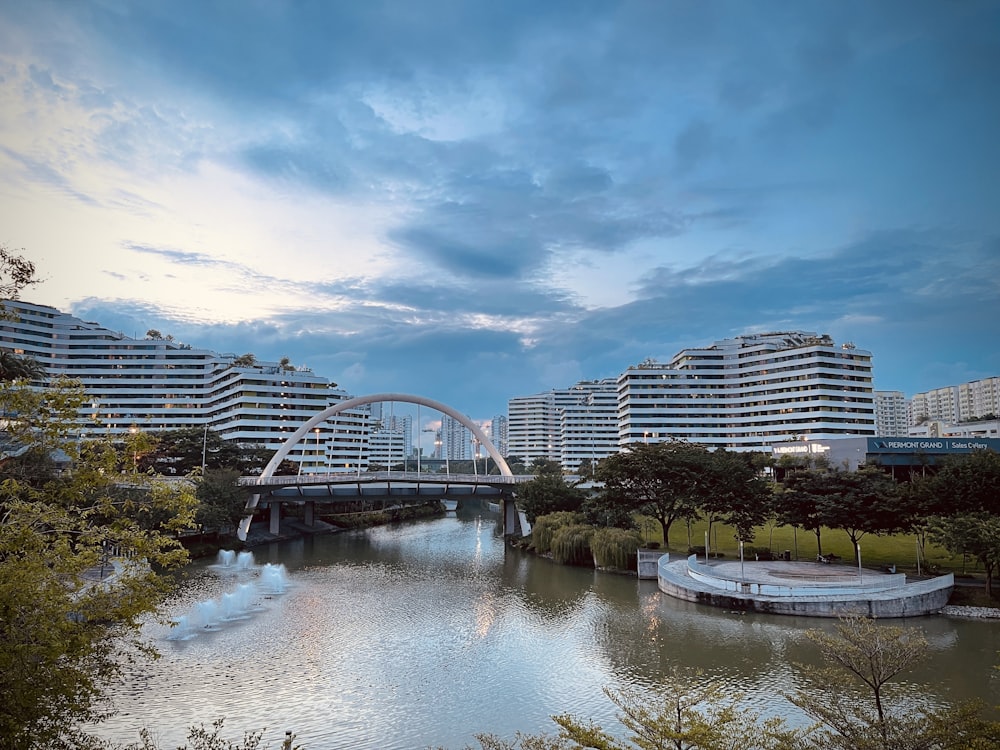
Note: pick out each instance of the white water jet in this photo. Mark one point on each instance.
(237, 604)
(181, 630)
(225, 558)
(273, 578)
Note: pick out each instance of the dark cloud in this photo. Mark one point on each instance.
(738, 146)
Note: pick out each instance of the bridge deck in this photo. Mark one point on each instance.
(382, 477)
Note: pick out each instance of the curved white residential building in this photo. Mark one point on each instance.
(158, 384)
(749, 392)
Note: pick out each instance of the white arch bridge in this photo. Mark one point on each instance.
(399, 486)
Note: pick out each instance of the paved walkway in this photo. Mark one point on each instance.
(786, 573)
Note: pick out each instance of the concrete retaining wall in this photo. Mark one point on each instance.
(912, 600)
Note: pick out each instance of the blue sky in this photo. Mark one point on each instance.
(477, 200)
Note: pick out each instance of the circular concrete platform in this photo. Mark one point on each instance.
(801, 588)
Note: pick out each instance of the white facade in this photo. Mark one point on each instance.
(156, 385)
(749, 393)
(588, 423)
(568, 425)
(499, 434)
(533, 427)
(456, 439)
(954, 404)
(891, 413)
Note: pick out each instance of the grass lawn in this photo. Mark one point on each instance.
(876, 551)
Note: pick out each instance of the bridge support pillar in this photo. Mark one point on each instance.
(511, 523)
(309, 513)
(275, 518)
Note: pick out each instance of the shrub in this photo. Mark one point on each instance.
(571, 545)
(546, 526)
(615, 548)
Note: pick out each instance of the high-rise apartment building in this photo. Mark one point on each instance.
(499, 434)
(567, 425)
(957, 403)
(891, 413)
(533, 427)
(457, 442)
(156, 384)
(588, 424)
(750, 392)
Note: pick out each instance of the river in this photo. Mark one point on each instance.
(423, 634)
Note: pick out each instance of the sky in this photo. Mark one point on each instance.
(472, 200)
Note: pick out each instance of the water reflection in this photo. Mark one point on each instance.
(423, 634)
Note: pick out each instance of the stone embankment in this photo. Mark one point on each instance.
(979, 613)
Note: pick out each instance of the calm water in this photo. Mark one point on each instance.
(425, 634)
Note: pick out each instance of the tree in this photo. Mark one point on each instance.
(66, 632)
(974, 533)
(664, 480)
(16, 273)
(181, 451)
(15, 367)
(799, 504)
(859, 503)
(733, 492)
(548, 493)
(970, 483)
(866, 655)
(687, 713)
(221, 501)
(546, 466)
(245, 360)
(286, 364)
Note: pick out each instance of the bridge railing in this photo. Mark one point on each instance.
(368, 477)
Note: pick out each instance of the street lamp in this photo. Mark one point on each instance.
(318, 450)
(204, 447)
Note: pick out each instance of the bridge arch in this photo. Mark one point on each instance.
(351, 403)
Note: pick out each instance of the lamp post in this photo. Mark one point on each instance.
(204, 448)
(133, 431)
(318, 450)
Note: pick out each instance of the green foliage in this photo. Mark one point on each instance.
(221, 501)
(245, 360)
(974, 534)
(662, 480)
(859, 503)
(548, 493)
(16, 273)
(970, 483)
(615, 548)
(546, 467)
(571, 545)
(66, 629)
(545, 527)
(201, 738)
(180, 452)
(687, 712)
(855, 709)
(675, 480)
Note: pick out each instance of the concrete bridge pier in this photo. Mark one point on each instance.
(511, 521)
(309, 513)
(275, 527)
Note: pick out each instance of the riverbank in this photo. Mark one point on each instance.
(295, 528)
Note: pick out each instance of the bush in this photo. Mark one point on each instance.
(546, 526)
(571, 545)
(615, 548)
